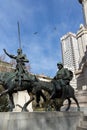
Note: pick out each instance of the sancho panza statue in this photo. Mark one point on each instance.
(62, 78)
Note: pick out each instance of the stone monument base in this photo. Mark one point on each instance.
(40, 120)
(82, 99)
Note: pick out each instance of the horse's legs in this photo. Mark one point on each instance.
(69, 103)
(37, 98)
(11, 102)
(24, 108)
(74, 98)
(38, 95)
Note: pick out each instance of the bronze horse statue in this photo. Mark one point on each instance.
(50, 88)
(9, 82)
(33, 85)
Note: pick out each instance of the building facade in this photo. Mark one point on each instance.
(70, 51)
(5, 67)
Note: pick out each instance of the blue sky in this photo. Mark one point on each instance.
(50, 18)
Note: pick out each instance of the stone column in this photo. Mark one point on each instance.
(84, 5)
(82, 40)
(81, 74)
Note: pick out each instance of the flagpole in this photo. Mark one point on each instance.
(19, 35)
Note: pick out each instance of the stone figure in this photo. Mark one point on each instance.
(20, 66)
(62, 77)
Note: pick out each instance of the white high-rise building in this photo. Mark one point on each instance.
(70, 54)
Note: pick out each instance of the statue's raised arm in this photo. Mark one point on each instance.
(11, 56)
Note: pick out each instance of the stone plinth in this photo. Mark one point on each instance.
(82, 99)
(40, 120)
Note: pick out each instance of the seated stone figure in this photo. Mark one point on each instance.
(20, 66)
(62, 79)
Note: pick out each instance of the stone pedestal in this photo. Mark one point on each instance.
(82, 99)
(40, 120)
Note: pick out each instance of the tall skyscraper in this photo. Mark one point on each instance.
(70, 52)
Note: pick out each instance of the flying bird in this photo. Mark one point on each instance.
(55, 28)
(35, 33)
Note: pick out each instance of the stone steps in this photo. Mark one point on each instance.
(83, 124)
